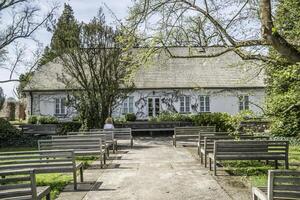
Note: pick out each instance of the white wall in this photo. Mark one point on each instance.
(221, 100)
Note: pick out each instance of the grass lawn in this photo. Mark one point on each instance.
(256, 172)
(57, 181)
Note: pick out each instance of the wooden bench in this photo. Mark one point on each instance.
(21, 185)
(201, 136)
(81, 147)
(39, 129)
(120, 134)
(106, 136)
(55, 161)
(282, 184)
(190, 134)
(105, 144)
(249, 150)
(207, 146)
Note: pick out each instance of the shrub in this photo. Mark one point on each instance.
(32, 119)
(65, 127)
(220, 120)
(10, 136)
(130, 117)
(165, 116)
(47, 120)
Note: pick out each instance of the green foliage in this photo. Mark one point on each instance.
(24, 80)
(166, 116)
(65, 36)
(220, 120)
(130, 117)
(10, 136)
(65, 127)
(47, 120)
(2, 98)
(32, 119)
(56, 181)
(283, 80)
(234, 122)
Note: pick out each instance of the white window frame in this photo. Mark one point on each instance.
(128, 105)
(184, 104)
(156, 109)
(60, 106)
(204, 103)
(244, 102)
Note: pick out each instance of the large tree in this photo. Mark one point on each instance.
(98, 71)
(229, 23)
(65, 35)
(283, 80)
(24, 17)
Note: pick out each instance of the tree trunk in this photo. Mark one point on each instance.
(274, 38)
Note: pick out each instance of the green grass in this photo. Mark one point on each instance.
(57, 182)
(256, 172)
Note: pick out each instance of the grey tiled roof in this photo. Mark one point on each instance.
(225, 71)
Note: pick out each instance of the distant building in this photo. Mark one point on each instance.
(13, 110)
(185, 85)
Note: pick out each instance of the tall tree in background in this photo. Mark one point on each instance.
(283, 98)
(2, 98)
(100, 71)
(65, 35)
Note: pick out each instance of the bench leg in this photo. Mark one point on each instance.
(201, 157)
(209, 164)
(75, 179)
(276, 164)
(81, 174)
(205, 160)
(267, 162)
(254, 197)
(131, 143)
(107, 151)
(114, 148)
(215, 167)
(174, 142)
(286, 162)
(101, 162)
(48, 196)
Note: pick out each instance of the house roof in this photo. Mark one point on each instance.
(225, 71)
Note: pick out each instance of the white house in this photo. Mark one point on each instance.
(185, 85)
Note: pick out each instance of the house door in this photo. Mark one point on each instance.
(153, 106)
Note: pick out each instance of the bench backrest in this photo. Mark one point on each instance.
(202, 135)
(36, 159)
(118, 133)
(18, 185)
(83, 135)
(283, 184)
(242, 147)
(193, 130)
(75, 144)
(208, 141)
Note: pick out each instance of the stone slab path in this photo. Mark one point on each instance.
(152, 170)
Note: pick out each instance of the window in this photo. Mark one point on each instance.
(60, 106)
(128, 105)
(185, 104)
(204, 103)
(243, 103)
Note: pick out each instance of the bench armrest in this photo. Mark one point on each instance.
(259, 193)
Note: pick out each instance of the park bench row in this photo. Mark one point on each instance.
(221, 146)
(56, 155)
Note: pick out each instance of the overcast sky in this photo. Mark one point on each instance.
(84, 10)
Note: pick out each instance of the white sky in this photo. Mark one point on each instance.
(84, 10)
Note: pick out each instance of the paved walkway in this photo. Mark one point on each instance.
(152, 170)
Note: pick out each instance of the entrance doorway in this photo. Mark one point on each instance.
(153, 106)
